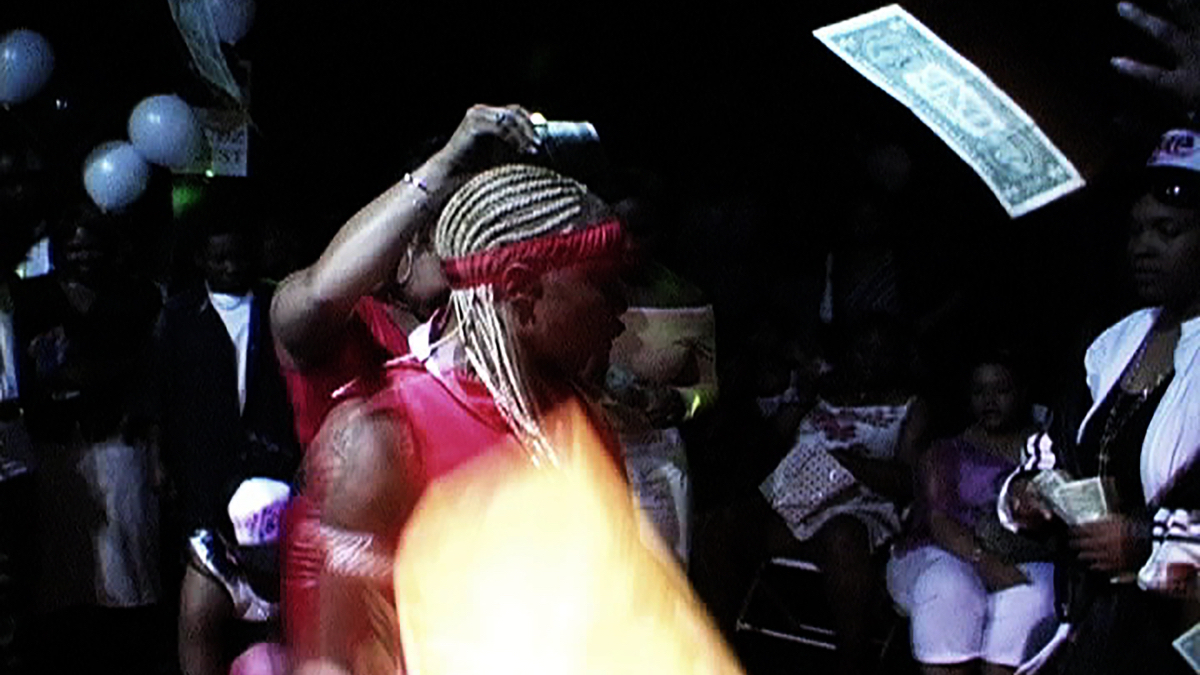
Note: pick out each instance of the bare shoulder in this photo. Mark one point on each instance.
(369, 469)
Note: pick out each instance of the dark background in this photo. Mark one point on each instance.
(756, 130)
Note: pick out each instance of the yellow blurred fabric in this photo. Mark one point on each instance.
(510, 568)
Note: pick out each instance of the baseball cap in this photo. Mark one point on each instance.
(1173, 170)
(256, 513)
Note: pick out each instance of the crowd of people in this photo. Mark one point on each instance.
(489, 426)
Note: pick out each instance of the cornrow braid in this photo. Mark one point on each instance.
(502, 206)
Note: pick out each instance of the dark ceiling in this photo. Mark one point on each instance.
(341, 91)
(733, 100)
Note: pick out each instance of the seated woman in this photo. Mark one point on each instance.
(662, 373)
(531, 258)
(832, 499)
(1140, 438)
(976, 593)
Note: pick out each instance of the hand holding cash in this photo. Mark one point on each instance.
(1105, 541)
(1027, 506)
(1076, 502)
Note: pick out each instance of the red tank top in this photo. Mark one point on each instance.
(369, 340)
(450, 423)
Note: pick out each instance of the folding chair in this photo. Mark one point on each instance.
(770, 609)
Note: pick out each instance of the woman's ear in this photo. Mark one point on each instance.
(522, 289)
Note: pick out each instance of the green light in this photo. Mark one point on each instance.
(183, 197)
(209, 173)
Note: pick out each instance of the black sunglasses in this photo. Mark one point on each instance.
(1175, 188)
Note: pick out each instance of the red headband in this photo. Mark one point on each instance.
(541, 255)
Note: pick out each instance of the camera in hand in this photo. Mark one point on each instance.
(572, 148)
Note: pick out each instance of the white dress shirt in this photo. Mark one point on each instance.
(234, 311)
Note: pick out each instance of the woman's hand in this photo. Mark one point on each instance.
(1026, 504)
(486, 137)
(1181, 40)
(1111, 545)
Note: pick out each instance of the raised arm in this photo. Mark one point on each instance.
(312, 306)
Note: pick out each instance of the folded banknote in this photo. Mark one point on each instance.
(973, 116)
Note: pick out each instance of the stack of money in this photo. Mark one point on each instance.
(1074, 501)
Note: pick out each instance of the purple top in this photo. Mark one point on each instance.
(959, 479)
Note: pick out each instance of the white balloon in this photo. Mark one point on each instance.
(166, 132)
(232, 18)
(115, 175)
(26, 62)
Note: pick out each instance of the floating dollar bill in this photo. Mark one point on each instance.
(959, 103)
(1188, 646)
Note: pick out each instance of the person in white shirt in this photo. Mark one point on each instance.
(1141, 437)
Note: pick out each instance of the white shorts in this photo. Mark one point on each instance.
(955, 619)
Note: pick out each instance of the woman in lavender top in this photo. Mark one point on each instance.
(976, 593)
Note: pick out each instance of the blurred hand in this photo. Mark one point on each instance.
(1111, 545)
(489, 136)
(998, 575)
(1181, 40)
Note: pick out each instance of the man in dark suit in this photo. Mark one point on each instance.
(222, 400)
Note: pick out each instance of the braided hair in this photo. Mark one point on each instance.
(501, 206)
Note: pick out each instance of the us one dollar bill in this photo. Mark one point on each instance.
(1188, 646)
(959, 103)
(1074, 501)
(1082, 501)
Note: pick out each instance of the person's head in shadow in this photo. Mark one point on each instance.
(996, 393)
(875, 194)
(642, 209)
(228, 254)
(222, 231)
(872, 356)
(1164, 227)
(86, 244)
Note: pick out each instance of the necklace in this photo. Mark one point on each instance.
(1126, 405)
